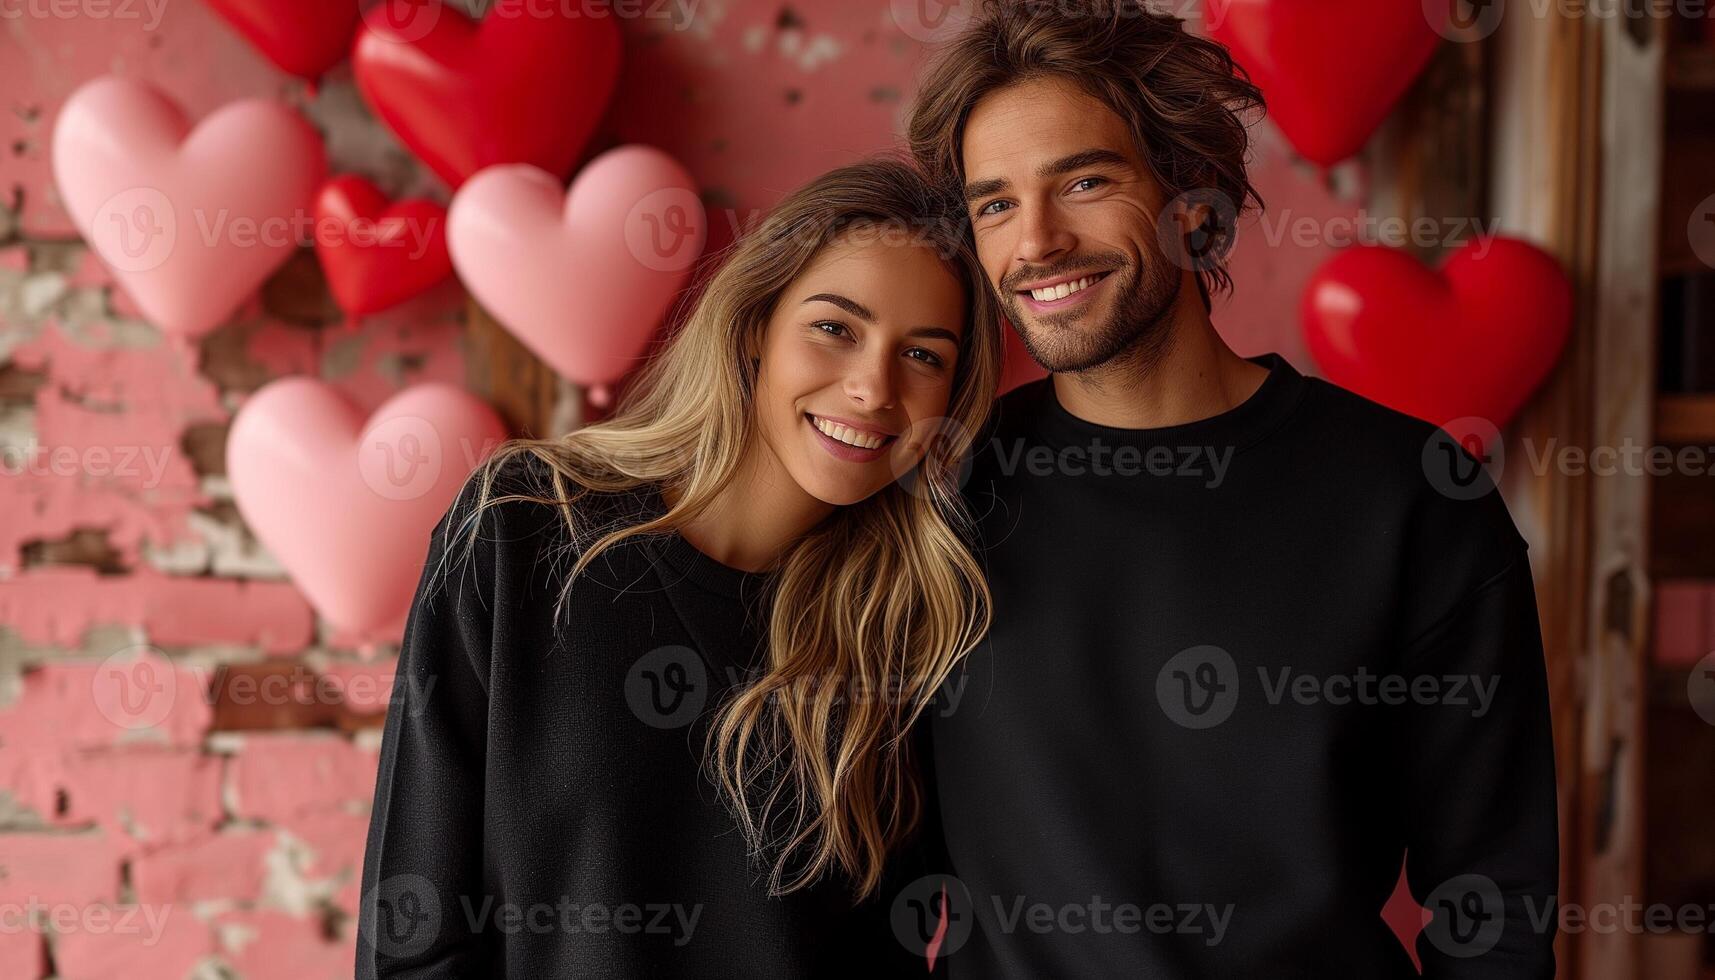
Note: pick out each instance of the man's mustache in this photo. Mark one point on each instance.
(1088, 264)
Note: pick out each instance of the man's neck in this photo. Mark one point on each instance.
(1194, 376)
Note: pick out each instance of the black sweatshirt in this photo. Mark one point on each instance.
(541, 810)
(1240, 669)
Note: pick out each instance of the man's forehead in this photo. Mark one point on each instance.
(1024, 128)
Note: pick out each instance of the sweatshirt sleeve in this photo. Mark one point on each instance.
(1479, 787)
(423, 867)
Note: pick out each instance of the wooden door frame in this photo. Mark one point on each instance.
(1576, 164)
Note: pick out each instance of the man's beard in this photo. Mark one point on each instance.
(1137, 330)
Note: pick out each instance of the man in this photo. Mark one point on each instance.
(1256, 640)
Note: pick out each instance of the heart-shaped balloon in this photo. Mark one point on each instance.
(526, 85)
(304, 37)
(190, 222)
(376, 254)
(582, 278)
(1331, 70)
(347, 505)
(1470, 341)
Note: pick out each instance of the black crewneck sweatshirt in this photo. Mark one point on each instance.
(1239, 670)
(540, 808)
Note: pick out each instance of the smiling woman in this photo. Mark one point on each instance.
(795, 443)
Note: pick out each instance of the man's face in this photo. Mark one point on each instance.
(1064, 210)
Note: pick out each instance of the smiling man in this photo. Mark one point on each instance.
(1224, 689)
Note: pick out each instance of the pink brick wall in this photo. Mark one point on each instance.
(164, 808)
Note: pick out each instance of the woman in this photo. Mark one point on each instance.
(654, 691)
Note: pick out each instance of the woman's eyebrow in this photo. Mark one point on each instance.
(851, 306)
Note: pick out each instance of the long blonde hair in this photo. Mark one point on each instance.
(871, 609)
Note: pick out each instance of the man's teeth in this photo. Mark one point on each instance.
(1065, 289)
(847, 434)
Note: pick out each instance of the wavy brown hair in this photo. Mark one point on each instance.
(1183, 96)
(871, 609)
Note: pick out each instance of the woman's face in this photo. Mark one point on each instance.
(857, 364)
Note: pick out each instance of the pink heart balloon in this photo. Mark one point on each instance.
(190, 221)
(347, 505)
(581, 279)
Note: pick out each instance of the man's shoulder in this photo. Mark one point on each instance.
(1016, 409)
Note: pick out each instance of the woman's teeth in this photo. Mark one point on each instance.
(846, 434)
(1065, 289)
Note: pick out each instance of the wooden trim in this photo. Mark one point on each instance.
(1685, 420)
(1578, 125)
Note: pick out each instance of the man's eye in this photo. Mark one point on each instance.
(1089, 183)
(993, 207)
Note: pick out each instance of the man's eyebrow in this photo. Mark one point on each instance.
(1081, 160)
(851, 306)
(1054, 168)
(983, 188)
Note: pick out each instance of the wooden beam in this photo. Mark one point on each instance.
(528, 395)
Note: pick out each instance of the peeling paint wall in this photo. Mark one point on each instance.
(228, 833)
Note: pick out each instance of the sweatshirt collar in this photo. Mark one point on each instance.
(1238, 427)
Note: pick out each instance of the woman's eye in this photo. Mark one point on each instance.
(928, 357)
(830, 327)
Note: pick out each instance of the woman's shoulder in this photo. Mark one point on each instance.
(521, 496)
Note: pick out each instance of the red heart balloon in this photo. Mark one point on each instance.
(1331, 70)
(526, 85)
(304, 37)
(376, 254)
(1472, 340)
